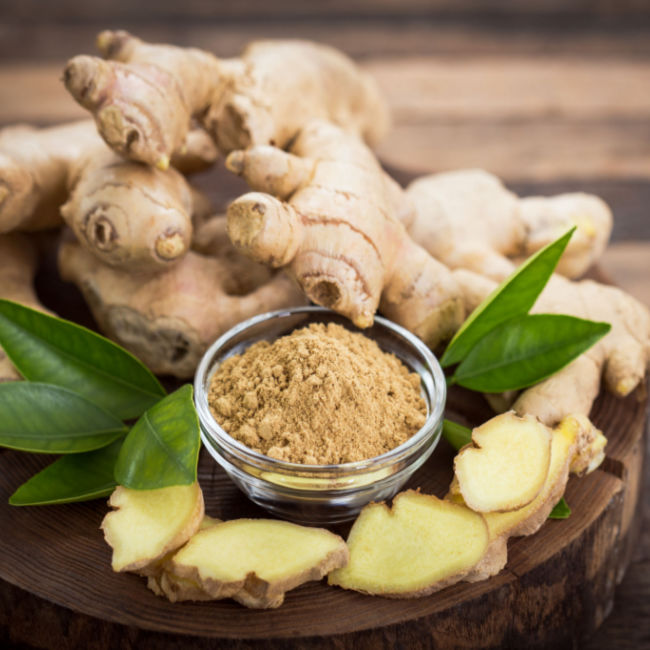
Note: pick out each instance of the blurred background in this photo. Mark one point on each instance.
(549, 94)
(552, 95)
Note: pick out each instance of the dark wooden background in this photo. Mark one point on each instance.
(553, 95)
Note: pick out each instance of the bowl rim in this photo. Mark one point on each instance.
(430, 426)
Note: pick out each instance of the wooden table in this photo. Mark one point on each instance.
(551, 96)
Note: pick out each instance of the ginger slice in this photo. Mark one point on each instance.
(419, 546)
(148, 524)
(576, 447)
(255, 561)
(166, 583)
(507, 466)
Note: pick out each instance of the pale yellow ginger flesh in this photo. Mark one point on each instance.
(166, 583)
(144, 97)
(506, 467)
(255, 561)
(327, 212)
(418, 546)
(468, 219)
(576, 447)
(148, 524)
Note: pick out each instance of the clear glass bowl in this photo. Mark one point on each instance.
(320, 494)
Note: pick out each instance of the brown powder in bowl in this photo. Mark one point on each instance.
(321, 395)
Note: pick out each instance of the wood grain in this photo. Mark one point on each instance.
(540, 119)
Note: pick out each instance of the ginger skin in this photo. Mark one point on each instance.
(168, 318)
(621, 357)
(331, 218)
(468, 219)
(144, 96)
(129, 215)
(19, 256)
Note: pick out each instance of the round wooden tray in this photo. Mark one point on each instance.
(58, 589)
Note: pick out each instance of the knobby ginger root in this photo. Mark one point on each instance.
(210, 238)
(127, 214)
(621, 356)
(144, 97)
(576, 447)
(334, 226)
(18, 253)
(255, 561)
(168, 319)
(418, 546)
(148, 524)
(468, 219)
(506, 466)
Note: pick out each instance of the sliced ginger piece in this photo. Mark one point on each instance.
(255, 561)
(148, 524)
(418, 546)
(166, 583)
(507, 466)
(576, 446)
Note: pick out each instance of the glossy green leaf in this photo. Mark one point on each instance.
(561, 510)
(513, 297)
(456, 434)
(526, 350)
(49, 419)
(162, 448)
(55, 351)
(80, 477)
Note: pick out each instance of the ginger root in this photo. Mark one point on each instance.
(334, 225)
(143, 98)
(168, 319)
(507, 466)
(420, 545)
(621, 356)
(148, 524)
(253, 561)
(468, 219)
(18, 253)
(129, 215)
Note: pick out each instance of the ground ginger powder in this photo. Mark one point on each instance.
(321, 395)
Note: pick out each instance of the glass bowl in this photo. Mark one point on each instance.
(320, 494)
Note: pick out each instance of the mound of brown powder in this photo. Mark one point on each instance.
(321, 395)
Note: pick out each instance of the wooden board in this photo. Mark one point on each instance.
(59, 590)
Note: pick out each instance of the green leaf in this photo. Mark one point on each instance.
(526, 350)
(162, 448)
(48, 419)
(513, 297)
(456, 434)
(55, 351)
(80, 477)
(561, 510)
